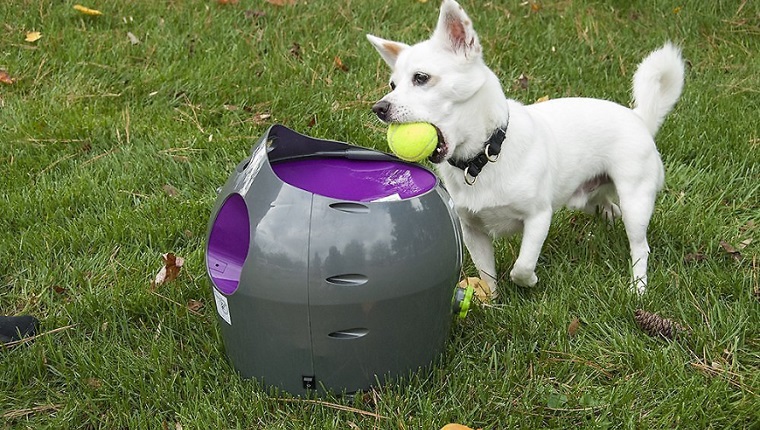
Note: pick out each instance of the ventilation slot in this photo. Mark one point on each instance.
(350, 207)
(354, 333)
(348, 280)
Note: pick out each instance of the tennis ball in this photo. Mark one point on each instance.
(412, 141)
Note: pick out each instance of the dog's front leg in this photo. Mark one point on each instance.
(480, 246)
(535, 229)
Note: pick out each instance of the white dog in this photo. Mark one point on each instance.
(508, 166)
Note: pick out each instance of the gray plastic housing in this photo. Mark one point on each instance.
(316, 293)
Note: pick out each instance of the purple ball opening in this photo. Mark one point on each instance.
(228, 244)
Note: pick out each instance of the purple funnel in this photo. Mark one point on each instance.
(356, 180)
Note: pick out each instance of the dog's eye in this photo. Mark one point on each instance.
(420, 78)
(393, 85)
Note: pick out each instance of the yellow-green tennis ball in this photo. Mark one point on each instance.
(412, 141)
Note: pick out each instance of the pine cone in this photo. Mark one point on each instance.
(655, 325)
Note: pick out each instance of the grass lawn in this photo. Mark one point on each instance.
(112, 147)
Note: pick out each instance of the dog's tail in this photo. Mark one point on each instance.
(657, 84)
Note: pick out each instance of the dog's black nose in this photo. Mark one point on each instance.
(381, 109)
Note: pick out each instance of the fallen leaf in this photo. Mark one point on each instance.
(339, 64)
(522, 81)
(733, 252)
(694, 257)
(312, 121)
(295, 50)
(87, 10)
(252, 14)
(743, 244)
(33, 36)
(59, 289)
(132, 38)
(195, 305)
(482, 290)
(542, 99)
(94, 382)
(573, 327)
(170, 190)
(534, 7)
(260, 118)
(5, 78)
(282, 2)
(170, 271)
(454, 426)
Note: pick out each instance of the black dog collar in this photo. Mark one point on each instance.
(489, 154)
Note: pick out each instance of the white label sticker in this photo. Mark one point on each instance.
(222, 307)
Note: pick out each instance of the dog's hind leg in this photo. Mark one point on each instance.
(637, 205)
(602, 203)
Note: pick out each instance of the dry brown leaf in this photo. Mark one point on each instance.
(339, 64)
(5, 78)
(252, 14)
(132, 38)
(87, 10)
(94, 382)
(730, 250)
(482, 290)
(33, 36)
(170, 271)
(542, 99)
(454, 426)
(694, 257)
(295, 50)
(195, 305)
(170, 190)
(522, 81)
(573, 327)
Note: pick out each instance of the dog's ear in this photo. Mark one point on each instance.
(388, 49)
(454, 30)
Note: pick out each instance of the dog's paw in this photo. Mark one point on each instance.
(639, 286)
(523, 278)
